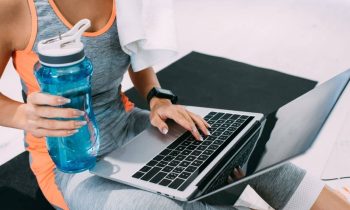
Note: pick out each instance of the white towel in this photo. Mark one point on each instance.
(146, 31)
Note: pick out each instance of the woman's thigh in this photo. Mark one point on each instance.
(87, 191)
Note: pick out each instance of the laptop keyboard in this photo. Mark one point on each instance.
(184, 159)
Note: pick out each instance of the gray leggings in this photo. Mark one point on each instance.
(86, 191)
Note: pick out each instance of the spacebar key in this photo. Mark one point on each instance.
(151, 173)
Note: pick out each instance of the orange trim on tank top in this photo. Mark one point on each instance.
(87, 34)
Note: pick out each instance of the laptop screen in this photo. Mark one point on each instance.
(285, 133)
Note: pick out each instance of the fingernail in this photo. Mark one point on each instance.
(164, 131)
(209, 126)
(72, 132)
(63, 100)
(80, 123)
(200, 138)
(79, 113)
(208, 133)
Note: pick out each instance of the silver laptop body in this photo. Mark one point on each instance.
(121, 164)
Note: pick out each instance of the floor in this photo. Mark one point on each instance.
(307, 38)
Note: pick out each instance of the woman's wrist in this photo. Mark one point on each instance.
(13, 113)
(154, 102)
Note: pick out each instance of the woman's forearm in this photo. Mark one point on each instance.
(11, 113)
(144, 80)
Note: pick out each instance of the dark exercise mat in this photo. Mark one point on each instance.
(18, 186)
(198, 80)
(208, 81)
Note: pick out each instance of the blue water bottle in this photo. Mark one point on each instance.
(64, 70)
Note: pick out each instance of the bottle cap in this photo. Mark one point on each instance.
(65, 49)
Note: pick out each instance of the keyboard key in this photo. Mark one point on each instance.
(206, 143)
(227, 133)
(208, 152)
(185, 143)
(158, 177)
(191, 168)
(216, 125)
(244, 117)
(162, 164)
(232, 128)
(236, 124)
(174, 163)
(206, 118)
(216, 134)
(176, 183)
(220, 121)
(197, 163)
(225, 125)
(191, 147)
(180, 157)
(167, 168)
(240, 120)
(168, 158)
(171, 176)
(151, 173)
(180, 148)
(223, 138)
(186, 152)
(152, 163)
(174, 153)
(184, 175)
(191, 139)
(211, 113)
(196, 143)
(213, 147)
(145, 169)
(184, 164)
(226, 116)
(165, 152)
(229, 121)
(217, 116)
(178, 169)
(201, 148)
(179, 140)
(196, 153)
(137, 175)
(165, 182)
(218, 142)
(210, 122)
(202, 157)
(190, 158)
(158, 158)
(220, 129)
(234, 117)
(211, 138)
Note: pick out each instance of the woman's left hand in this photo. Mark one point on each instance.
(163, 109)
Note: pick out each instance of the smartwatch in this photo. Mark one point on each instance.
(161, 93)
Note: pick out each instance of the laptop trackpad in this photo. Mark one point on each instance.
(134, 155)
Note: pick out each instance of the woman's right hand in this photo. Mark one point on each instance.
(38, 110)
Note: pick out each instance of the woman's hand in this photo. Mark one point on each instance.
(163, 109)
(38, 110)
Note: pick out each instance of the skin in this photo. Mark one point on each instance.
(32, 117)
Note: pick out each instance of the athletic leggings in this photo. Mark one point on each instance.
(87, 191)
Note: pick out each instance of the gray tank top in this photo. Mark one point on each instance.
(109, 63)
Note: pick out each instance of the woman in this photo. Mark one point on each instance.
(26, 23)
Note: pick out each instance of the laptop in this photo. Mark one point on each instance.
(179, 167)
